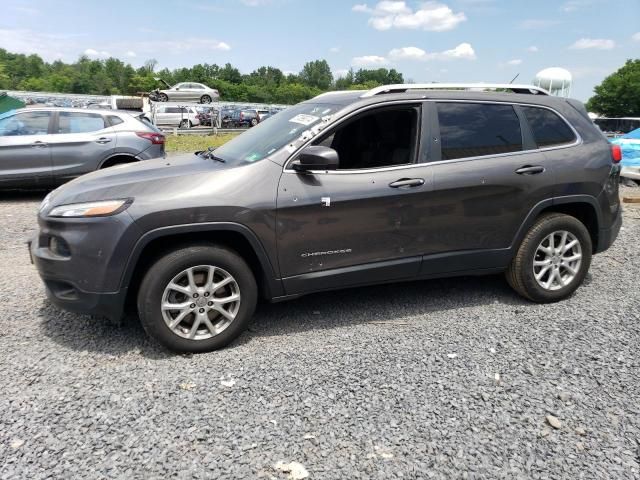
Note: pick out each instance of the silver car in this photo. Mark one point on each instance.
(42, 147)
(188, 91)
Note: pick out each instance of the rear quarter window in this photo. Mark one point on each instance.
(477, 129)
(548, 128)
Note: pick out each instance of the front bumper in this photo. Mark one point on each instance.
(87, 277)
(630, 172)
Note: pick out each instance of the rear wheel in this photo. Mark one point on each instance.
(552, 260)
(205, 99)
(254, 122)
(185, 124)
(197, 299)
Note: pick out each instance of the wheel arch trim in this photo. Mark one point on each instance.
(552, 202)
(272, 284)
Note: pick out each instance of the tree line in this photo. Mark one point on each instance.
(112, 76)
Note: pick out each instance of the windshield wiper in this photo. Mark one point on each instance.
(208, 154)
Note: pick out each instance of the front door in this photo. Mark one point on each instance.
(356, 224)
(25, 155)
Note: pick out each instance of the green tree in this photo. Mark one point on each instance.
(230, 74)
(619, 94)
(380, 76)
(317, 74)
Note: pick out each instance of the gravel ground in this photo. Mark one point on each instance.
(453, 378)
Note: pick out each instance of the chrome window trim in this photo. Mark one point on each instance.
(577, 141)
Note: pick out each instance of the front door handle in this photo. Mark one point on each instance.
(38, 144)
(407, 183)
(103, 140)
(530, 170)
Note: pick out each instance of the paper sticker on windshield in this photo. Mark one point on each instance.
(304, 119)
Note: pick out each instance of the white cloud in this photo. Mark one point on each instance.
(408, 53)
(533, 49)
(537, 23)
(361, 7)
(431, 15)
(636, 37)
(334, 49)
(255, 3)
(573, 5)
(514, 62)
(464, 51)
(369, 61)
(131, 54)
(48, 46)
(593, 43)
(90, 52)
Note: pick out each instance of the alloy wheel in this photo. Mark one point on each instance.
(200, 302)
(557, 260)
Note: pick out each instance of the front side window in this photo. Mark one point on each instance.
(477, 129)
(548, 128)
(72, 122)
(25, 123)
(381, 138)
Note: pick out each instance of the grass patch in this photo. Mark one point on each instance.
(194, 143)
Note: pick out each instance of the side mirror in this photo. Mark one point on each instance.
(316, 158)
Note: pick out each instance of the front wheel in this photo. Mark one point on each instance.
(552, 260)
(205, 99)
(163, 97)
(254, 122)
(197, 299)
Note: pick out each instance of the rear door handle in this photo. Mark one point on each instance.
(103, 140)
(530, 170)
(39, 144)
(407, 183)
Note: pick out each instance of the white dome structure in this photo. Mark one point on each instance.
(556, 80)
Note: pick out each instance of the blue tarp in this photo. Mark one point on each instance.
(630, 145)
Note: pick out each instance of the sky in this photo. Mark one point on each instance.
(441, 41)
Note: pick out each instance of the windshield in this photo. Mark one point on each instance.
(281, 129)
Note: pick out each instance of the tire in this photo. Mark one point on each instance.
(205, 99)
(155, 285)
(254, 122)
(522, 271)
(162, 97)
(185, 124)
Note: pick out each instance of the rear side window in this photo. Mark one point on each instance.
(113, 120)
(477, 129)
(548, 128)
(77, 122)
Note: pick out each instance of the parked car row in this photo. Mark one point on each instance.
(41, 147)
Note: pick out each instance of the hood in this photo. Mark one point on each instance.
(147, 177)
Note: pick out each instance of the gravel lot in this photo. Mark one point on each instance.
(436, 379)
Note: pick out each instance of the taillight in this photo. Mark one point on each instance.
(241, 116)
(616, 153)
(154, 138)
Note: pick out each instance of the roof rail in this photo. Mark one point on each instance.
(402, 87)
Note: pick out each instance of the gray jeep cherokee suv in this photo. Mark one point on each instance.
(350, 188)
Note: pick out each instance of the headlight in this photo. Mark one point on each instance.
(91, 209)
(45, 202)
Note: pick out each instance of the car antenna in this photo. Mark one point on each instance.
(514, 78)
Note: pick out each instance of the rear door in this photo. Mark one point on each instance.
(487, 177)
(25, 154)
(80, 142)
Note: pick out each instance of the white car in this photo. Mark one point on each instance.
(175, 116)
